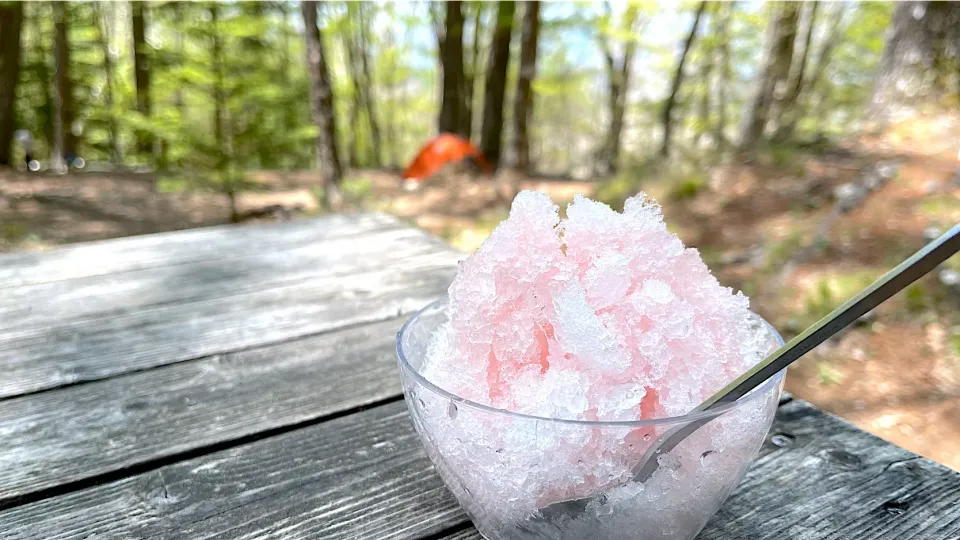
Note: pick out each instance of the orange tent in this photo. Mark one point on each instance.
(441, 150)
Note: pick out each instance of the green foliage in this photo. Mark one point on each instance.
(916, 297)
(616, 190)
(785, 158)
(827, 374)
(688, 187)
(938, 206)
(846, 85)
(468, 239)
(955, 342)
(265, 82)
(13, 233)
(820, 302)
(830, 291)
(357, 189)
(778, 253)
(318, 195)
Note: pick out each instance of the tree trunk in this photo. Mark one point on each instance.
(472, 75)
(103, 38)
(809, 92)
(492, 131)
(254, 53)
(523, 103)
(221, 121)
(369, 101)
(392, 147)
(921, 60)
(618, 81)
(725, 12)
(356, 99)
(11, 21)
(45, 76)
(321, 107)
(703, 114)
(826, 53)
(787, 107)
(63, 91)
(450, 40)
(666, 114)
(178, 98)
(141, 71)
(289, 118)
(798, 79)
(772, 74)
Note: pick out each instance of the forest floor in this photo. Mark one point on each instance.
(766, 225)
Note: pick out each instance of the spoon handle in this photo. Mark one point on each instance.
(892, 282)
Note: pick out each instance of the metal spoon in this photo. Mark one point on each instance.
(544, 524)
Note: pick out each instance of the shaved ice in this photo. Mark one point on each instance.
(578, 323)
(605, 313)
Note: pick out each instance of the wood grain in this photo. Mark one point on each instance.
(826, 479)
(58, 302)
(180, 247)
(364, 476)
(360, 476)
(468, 533)
(90, 349)
(76, 433)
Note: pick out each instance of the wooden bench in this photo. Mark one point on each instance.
(241, 382)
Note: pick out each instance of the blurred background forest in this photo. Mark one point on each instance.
(803, 148)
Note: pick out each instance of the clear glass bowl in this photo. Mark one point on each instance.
(504, 467)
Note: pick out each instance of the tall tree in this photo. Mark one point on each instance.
(472, 75)
(181, 56)
(63, 140)
(773, 72)
(103, 39)
(523, 101)
(11, 20)
(788, 109)
(492, 131)
(356, 96)
(798, 78)
(363, 46)
(321, 107)
(707, 68)
(356, 41)
(618, 80)
(666, 114)
(922, 56)
(725, 12)
(141, 70)
(221, 120)
(811, 85)
(450, 42)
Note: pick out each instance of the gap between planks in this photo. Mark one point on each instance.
(365, 475)
(94, 349)
(137, 420)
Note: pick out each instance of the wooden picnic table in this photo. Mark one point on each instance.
(241, 382)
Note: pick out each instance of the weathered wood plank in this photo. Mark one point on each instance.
(468, 533)
(819, 477)
(180, 247)
(40, 358)
(360, 476)
(58, 302)
(76, 433)
(364, 476)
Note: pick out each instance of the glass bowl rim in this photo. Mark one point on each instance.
(751, 396)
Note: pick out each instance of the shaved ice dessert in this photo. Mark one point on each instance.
(565, 348)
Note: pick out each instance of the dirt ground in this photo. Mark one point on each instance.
(762, 224)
